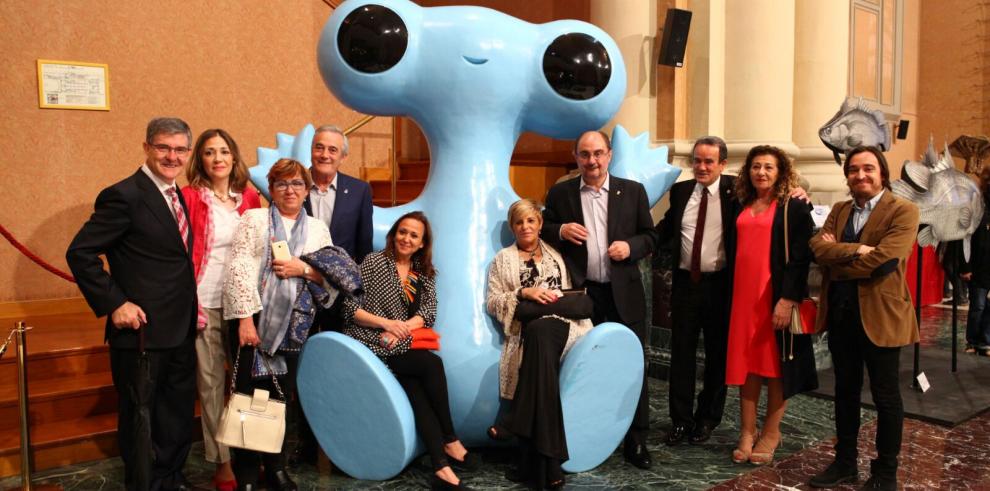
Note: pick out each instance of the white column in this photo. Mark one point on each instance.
(821, 74)
(759, 75)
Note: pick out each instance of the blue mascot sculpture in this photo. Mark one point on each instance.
(474, 79)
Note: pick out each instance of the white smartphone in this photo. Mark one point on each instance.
(280, 251)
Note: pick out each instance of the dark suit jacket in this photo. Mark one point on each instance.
(669, 228)
(134, 227)
(628, 219)
(350, 225)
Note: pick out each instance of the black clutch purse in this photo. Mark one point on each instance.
(574, 306)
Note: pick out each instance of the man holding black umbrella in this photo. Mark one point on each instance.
(149, 295)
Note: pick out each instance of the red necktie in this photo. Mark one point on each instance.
(699, 232)
(180, 216)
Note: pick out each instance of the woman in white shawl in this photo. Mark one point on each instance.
(531, 270)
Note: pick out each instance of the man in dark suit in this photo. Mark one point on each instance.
(699, 231)
(602, 226)
(141, 225)
(866, 306)
(341, 201)
(344, 204)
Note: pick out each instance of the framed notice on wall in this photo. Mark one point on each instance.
(73, 85)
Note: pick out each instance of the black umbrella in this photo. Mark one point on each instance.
(143, 453)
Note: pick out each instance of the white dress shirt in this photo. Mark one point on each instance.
(594, 206)
(162, 186)
(712, 247)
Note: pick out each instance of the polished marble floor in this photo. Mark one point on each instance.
(932, 457)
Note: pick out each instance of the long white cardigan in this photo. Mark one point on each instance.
(503, 281)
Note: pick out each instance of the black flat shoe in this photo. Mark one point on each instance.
(441, 485)
(471, 462)
(499, 433)
(280, 481)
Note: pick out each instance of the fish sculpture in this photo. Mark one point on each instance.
(855, 124)
(949, 201)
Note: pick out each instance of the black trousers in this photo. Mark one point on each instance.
(851, 350)
(421, 375)
(606, 311)
(173, 399)
(535, 412)
(698, 308)
(247, 463)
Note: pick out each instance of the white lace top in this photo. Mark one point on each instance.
(241, 297)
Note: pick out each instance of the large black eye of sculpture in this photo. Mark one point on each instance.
(577, 66)
(372, 39)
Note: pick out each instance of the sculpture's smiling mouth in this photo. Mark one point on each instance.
(475, 61)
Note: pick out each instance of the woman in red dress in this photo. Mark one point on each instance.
(765, 289)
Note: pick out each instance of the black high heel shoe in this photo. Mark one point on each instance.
(438, 484)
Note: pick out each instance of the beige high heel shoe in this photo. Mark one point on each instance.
(743, 450)
(763, 457)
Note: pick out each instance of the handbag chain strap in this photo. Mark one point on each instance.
(787, 259)
(237, 362)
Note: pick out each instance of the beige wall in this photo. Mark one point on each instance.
(954, 71)
(244, 65)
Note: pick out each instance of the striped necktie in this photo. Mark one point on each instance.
(180, 216)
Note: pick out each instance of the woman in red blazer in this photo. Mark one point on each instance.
(216, 196)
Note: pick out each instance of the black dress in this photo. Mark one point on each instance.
(536, 414)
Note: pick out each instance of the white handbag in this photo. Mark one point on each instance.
(253, 422)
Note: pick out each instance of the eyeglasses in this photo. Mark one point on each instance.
(164, 149)
(585, 155)
(295, 184)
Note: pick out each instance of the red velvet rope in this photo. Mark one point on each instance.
(30, 255)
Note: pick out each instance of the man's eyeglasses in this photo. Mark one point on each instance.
(164, 149)
(585, 155)
(295, 184)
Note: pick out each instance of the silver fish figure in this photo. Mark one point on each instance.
(855, 124)
(949, 201)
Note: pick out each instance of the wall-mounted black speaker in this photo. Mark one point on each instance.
(675, 34)
(902, 129)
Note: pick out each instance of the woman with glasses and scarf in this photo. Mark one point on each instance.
(260, 292)
(531, 270)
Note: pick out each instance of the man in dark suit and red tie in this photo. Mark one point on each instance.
(699, 230)
(602, 226)
(141, 225)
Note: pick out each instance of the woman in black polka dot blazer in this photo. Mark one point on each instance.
(399, 296)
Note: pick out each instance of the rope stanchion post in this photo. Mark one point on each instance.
(20, 332)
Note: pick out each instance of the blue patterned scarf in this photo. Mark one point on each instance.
(278, 294)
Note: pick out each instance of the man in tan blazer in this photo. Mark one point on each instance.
(866, 307)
